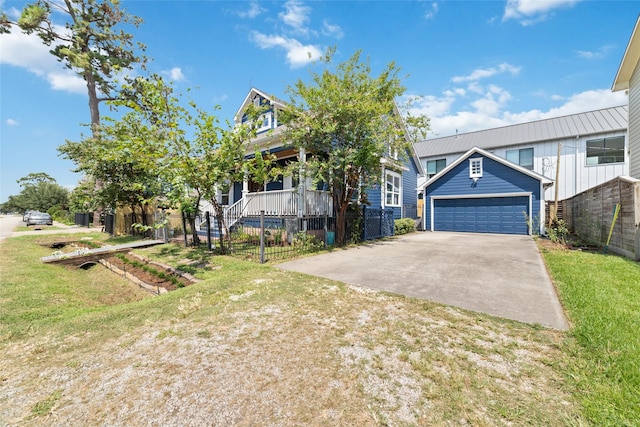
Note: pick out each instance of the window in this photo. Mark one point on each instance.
(522, 157)
(392, 188)
(264, 122)
(435, 166)
(475, 168)
(605, 150)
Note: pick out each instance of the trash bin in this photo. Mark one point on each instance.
(331, 237)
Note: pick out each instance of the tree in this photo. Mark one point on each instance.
(126, 157)
(161, 150)
(90, 43)
(39, 192)
(348, 120)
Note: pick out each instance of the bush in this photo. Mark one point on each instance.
(558, 231)
(404, 226)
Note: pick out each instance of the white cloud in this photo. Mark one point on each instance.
(594, 54)
(175, 74)
(529, 12)
(296, 16)
(28, 52)
(298, 54)
(253, 12)
(491, 109)
(482, 73)
(431, 13)
(332, 30)
(11, 122)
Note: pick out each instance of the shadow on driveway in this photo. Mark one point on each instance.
(502, 275)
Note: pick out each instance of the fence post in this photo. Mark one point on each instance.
(262, 237)
(208, 219)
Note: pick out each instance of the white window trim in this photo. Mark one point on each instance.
(267, 116)
(384, 198)
(477, 174)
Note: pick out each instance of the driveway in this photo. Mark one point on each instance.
(502, 275)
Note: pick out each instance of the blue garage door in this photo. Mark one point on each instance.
(503, 215)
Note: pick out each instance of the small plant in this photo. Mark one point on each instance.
(558, 231)
(533, 224)
(404, 226)
(307, 242)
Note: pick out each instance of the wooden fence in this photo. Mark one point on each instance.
(590, 214)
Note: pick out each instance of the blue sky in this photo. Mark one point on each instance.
(476, 64)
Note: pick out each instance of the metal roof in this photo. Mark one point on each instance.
(581, 124)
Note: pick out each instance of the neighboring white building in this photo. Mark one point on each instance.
(593, 149)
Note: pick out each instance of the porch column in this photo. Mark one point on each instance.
(302, 184)
(245, 186)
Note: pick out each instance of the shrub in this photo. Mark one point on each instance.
(404, 226)
(558, 231)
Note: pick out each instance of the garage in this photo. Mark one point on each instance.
(503, 215)
(481, 192)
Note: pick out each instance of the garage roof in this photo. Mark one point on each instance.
(581, 124)
(546, 182)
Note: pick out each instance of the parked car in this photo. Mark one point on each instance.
(39, 218)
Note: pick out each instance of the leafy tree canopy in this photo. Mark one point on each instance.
(39, 192)
(349, 120)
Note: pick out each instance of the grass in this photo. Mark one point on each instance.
(602, 296)
(33, 227)
(375, 358)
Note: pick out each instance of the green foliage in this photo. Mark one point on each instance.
(307, 242)
(151, 270)
(558, 231)
(90, 41)
(349, 120)
(404, 226)
(39, 192)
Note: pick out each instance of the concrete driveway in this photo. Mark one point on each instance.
(502, 275)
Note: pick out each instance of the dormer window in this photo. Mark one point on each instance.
(475, 168)
(264, 121)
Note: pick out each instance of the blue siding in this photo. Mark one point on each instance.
(497, 178)
(409, 190)
(237, 191)
(374, 196)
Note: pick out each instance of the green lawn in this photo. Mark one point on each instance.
(601, 294)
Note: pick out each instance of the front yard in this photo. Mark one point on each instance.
(254, 345)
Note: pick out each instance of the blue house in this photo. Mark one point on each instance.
(290, 196)
(484, 193)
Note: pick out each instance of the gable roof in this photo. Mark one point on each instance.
(629, 60)
(249, 99)
(264, 139)
(571, 126)
(543, 179)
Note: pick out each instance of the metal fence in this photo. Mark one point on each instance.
(268, 238)
(377, 223)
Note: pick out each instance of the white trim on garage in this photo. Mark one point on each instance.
(528, 194)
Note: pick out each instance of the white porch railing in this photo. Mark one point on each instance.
(276, 203)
